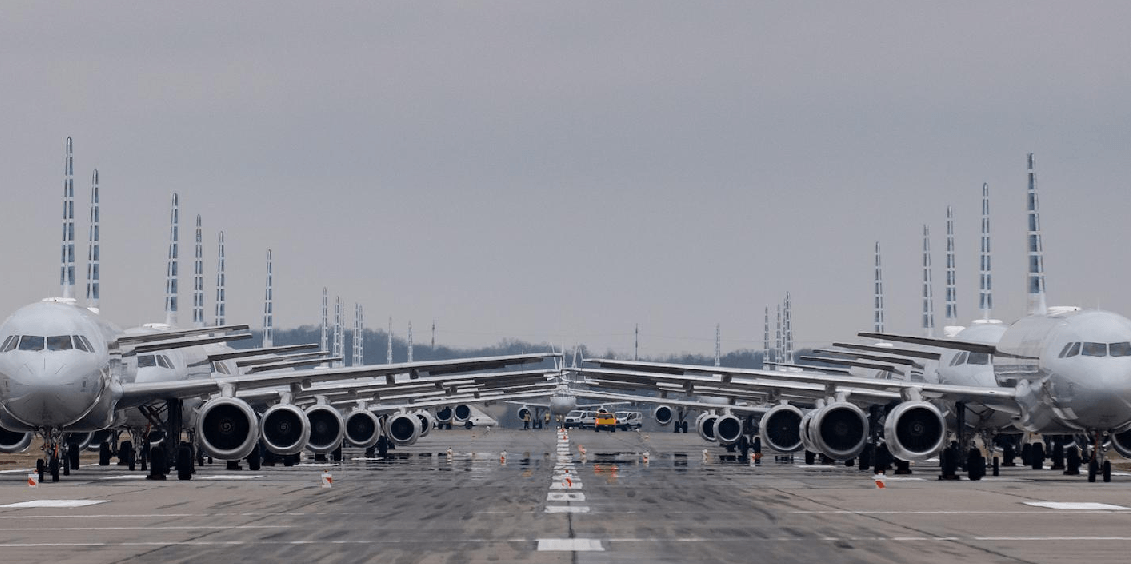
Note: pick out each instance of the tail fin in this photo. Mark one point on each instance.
(67, 271)
(951, 289)
(338, 346)
(718, 347)
(928, 292)
(878, 309)
(221, 316)
(635, 344)
(198, 278)
(410, 341)
(93, 252)
(324, 341)
(778, 340)
(985, 289)
(389, 347)
(766, 342)
(356, 360)
(268, 307)
(1037, 305)
(171, 265)
(788, 328)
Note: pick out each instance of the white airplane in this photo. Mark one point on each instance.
(1056, 371)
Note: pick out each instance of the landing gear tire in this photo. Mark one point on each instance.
(104, 454)
(1072, 461)
(1107, 471)
(253, 460)
(184, 462)
(810, 457)
(337, 454)
(73, 456)
(975, 465)
(1092, 470)
(1037, 458)
(157, 463)
(40, 468)
(53, 468)
(997, 467)
(66, 460)
(126, 454)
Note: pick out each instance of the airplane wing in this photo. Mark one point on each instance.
(631, 399)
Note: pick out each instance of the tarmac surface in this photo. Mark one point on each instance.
(548, 501)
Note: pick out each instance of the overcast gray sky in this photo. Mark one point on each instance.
(562, 171)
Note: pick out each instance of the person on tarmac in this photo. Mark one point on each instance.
(526, 420)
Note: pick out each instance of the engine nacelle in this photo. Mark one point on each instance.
(803, 433)
(402, 428)
(462, 412)
(14, 441)
(327, 428)
(663, 414)
(728, 429)
(284, 429)
(425, 418)
(705, 426)
(228, 428)
(524, 411)
(362, 428)
(780, 428)
(1121, 442)
(839, 430)
(914, 430)
(444, 414)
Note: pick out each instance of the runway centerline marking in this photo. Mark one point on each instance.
(53, 503)
(1076, 505)
(569, 544)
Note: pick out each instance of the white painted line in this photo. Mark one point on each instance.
(17, 471)
(1076, 505)
(52, 503)
(578, 544)
(229, 477)
(567, 509)
(565, 497)
(124, 477)
(565, 486)
(820, 467)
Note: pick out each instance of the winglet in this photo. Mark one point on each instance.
(198, 278)
(93, 251)
(171, 265)
(220, 314)
(1036, 278)
(268, 307)
(928, 292)
(67, 270)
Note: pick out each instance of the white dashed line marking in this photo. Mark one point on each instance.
(1076, 505)
(567, 509)
(565, 497)
(52, 503)
(578, 544)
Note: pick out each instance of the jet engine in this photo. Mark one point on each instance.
(284, 429)
(803, 433)
(780, 428)
(228, 428)
(425, 418)
(327, 428)
(705, 426)
(14, 441)
(914, 430)
(444, 414)
(839, 430)
(403, 428)
(728, 429)
(1121, 442)
(663, 414)
(362, 428)
(522, 412)
(462, 412)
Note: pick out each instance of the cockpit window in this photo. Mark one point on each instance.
(81, 343)
(145, 361)
(30, 343)
(978, 358)
(1094, 349)
(954, 359)
(1120, 349)
(962, 358)
(61, 342)
(10, 343)
(1064, 351)
(1073, 350)
(163, 362)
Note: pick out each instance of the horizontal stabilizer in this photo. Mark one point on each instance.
(955, 344)
(891, 349)
(182, 343)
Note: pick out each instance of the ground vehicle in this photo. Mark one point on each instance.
(605, 420)
(588, 419)
(629, 420)
(574, 419)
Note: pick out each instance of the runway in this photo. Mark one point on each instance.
(547, 500)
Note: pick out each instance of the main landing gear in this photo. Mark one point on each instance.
(1098, 465)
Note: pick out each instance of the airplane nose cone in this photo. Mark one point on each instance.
(51, 394)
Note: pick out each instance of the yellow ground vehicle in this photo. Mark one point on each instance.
(605, 420)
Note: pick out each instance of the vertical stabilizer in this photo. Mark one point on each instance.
(985, 289)
(389, 347)
(878, 308)
(198, 278)
(221, 297)
(338, 346)
(171, 264)
(67, 270)
(635, 343)
(718, 347)
(356, 334)
(410, 341)
(433, 343)
(360, 335)
(778, 339)
(92, 252)
(951, 318)
(323, 342)
(268, 307)
(766, 342)
(787, 328)
(1036, 304)
(928, 292)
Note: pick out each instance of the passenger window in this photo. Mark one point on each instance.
(1094, 349)
(145, 361)
(1073, 351)
(10, 343)
(1120, 349)
(978, 358)
(30, 343)
(61, 342)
